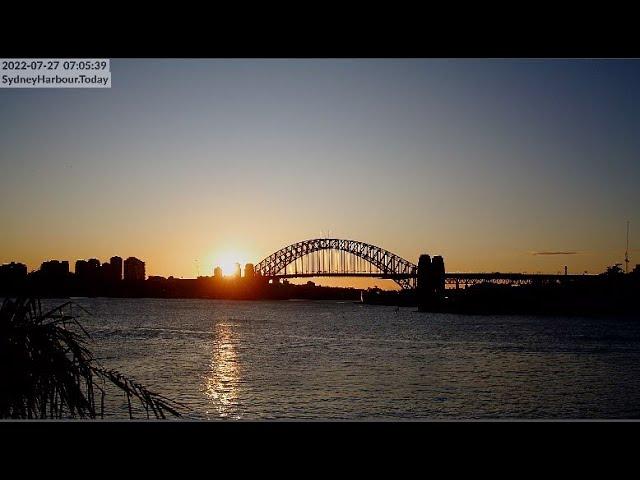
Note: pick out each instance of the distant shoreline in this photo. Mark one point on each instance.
(605, 294)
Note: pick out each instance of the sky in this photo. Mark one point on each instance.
(497, 165)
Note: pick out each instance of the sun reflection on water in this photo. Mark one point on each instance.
(221, 384)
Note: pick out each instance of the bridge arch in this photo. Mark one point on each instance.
(388, 264)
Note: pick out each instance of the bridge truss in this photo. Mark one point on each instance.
(337, 257)
(498, 278)
(334, 257)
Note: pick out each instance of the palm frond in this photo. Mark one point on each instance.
(48, 371)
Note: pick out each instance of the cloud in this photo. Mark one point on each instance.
(554, 253)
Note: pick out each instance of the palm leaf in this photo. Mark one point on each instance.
(48, 371)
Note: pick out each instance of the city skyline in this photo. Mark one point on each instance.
(497, 165)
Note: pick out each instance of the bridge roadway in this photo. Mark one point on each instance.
(453, 278)
(318, 256)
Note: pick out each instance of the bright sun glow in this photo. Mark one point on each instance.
(227, 261)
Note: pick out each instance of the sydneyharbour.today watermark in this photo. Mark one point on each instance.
(55, 73)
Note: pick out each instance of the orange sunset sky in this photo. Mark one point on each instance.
(186, 164)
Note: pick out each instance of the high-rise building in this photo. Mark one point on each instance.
(55, 268)
(116, 268)
(236, 270)
(105, 272)
(249, 271)
(12, 272)
(134, 269)
(93, 268)
(94, 264)
(217, 272)
(88, 269)
(81, 268)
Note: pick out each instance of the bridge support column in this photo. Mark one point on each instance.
(437, 266)
(430, 284)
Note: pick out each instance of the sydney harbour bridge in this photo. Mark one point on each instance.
(335, 257)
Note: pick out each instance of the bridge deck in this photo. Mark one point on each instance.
(451, 277)
(334, 257)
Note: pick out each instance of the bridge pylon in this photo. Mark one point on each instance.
(430, 283)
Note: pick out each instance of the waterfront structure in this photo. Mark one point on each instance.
(337, 257)
(430, 282)
(55, 268)
(134, 269)
(13, 272)
(334, 257)
(249, 271)
(105, 272)
(89, 270)
(93, 269)
(437, 264)
(116, 268)
(324, 257)
(81, 268)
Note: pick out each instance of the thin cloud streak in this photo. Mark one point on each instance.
(554, 253)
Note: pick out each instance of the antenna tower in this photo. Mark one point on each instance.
(626, 252)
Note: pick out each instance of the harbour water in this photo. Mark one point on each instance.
(341, 360)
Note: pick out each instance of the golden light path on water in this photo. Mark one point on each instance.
(222, 380)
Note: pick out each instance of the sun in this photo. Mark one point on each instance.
(227, 260)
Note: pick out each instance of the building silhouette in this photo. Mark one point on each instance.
(217, 272)
(81, 268)
(89, 270)
(430, 284)
(116, 268)
(55, 269)
(236, 270)
(105, 272)
(12, 272)
(134, 269)
(93, 269)
(249, 271)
